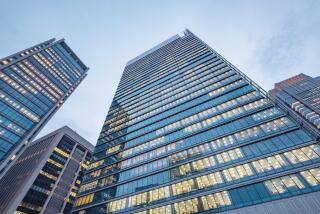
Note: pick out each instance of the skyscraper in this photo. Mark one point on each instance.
(46, 176)
(187, 132)
(34, 83)
(300, 95)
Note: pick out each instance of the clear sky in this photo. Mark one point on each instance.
(267, 40)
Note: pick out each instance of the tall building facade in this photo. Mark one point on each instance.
(46, 177)
(300, 95)
(34, 83)
(188, 132)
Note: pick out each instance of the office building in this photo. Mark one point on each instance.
(34, 83)
(45, 178)
(300, 95)
(187, 132)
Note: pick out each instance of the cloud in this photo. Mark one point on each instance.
(282, 53)
(283, 50)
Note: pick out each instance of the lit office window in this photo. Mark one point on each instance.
(84, 200)
(203, 163)
(216, 200)
(266, 164)
(237, 172)
(303, 154)
(283, 184)
(158, 210)
(312, 176)
(229, 155)
(186, 207)
(209, 180)
(183, 187)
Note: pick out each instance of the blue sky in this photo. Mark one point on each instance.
(267, 40)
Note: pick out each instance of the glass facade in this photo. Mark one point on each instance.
(34, 83)
(300, 95)
(187, 132)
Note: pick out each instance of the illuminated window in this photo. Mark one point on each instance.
(96, 164)
(55, 163)
(265, 114)
(203, 163)
(303, 154)
(17, 106)
(186, 207)
(48, 175)
(209, 180)
(158, 210)
(229, 155)
(113, 149)
(4, 62)
(85, 199)
(61, 152)
(215, 200)
(223, 142)
(116, 205)
(106, 181)
(237, 172)
(312, 176)
(181, 170)
(158, 194)
(88, 186)
(266, 164)
(282, 184)
(183, 187)
(95, 173)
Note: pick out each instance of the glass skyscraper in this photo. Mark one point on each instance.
(34, 83)
(300, 95)
(187, 132)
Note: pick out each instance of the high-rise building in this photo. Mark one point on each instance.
(34, 83)
(188, 132)
(300, 95)
(45, 178)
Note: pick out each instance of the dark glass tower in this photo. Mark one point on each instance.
(300, 95)
(46, 177)
(187, 132)
(34, 83)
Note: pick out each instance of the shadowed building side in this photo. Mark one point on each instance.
(46, 176)
(300, 96)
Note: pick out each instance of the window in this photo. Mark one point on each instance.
(84, 200)
(158, 210)
(312, 176)
(96, 164)
(186, 207)
(181, 170)
(106, 181)
(183, 187)
(266, 164)
(88, 186)
(283, 184)
(203, 163)
(209, 180)
(229, 155)
(113, 149)
(215, 200)
(237, 172)
(303, 154)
